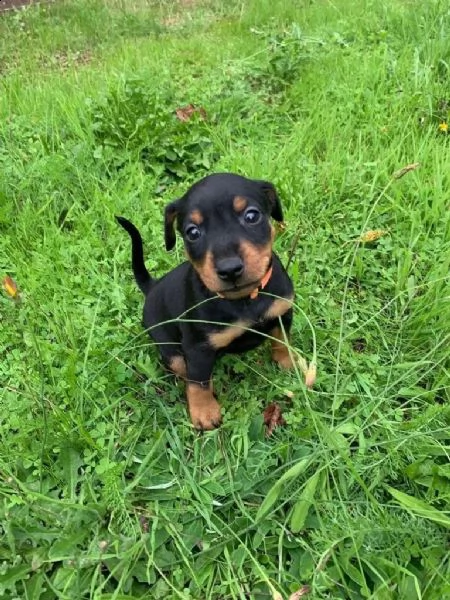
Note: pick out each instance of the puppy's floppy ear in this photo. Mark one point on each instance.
(271, 194)
(170, 214)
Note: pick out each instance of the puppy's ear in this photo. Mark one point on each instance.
(271, 194)
(170, 214)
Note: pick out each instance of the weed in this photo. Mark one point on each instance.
(136, 122)
(285, 55)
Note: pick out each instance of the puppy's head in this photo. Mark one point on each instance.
(224, 220)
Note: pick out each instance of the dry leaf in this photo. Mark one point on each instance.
(273, 418)
(184, 113)
(310, 375)
(407, 169)
(305, 589)
(372, 235)
(302, 364)
(10, 287)
(143, 521)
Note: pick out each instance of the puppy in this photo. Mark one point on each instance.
(232, 289)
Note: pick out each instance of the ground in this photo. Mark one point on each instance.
(8, 4)
(115, 107)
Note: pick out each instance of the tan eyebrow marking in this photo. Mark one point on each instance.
(239, 203)
(196, 217)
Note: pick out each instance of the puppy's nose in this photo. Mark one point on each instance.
(229, 269)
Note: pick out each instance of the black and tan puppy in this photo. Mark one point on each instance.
(232, 288)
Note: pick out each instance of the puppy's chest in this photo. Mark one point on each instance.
(244, 325)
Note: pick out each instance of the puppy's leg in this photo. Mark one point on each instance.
(177, 365)
(280, 351)
(204, 409)
(171, 354)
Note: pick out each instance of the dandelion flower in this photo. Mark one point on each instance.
(443, 127)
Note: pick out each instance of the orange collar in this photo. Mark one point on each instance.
(262, 285)
(254, 293)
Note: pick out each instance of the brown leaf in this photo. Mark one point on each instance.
(407, 169)
(281, 226)
(273, 418)
(143, 521)
(10, 287)
(185, 113)
(303, 591)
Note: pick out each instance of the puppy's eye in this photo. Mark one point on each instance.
(252, 216)
(192, 233)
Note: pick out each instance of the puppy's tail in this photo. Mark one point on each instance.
(142, 276)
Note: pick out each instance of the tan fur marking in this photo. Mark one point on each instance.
(207, 272)
(239, 203)
(204, 409)
(280, 353)
(256, 260)
(178, 366)
(196, 217)
(222, 339)
(278, 307)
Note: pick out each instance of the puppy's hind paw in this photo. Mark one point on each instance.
(284, 360)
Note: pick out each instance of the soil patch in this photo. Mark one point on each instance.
(10, 4)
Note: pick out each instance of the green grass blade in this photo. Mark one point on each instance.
(275, 491)
(304, 503)
(419, 507)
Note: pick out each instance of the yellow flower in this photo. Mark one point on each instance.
(443, 127)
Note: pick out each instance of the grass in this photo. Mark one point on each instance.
(106, 491)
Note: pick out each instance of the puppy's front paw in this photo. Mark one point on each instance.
(207, 417)
(204, 409)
